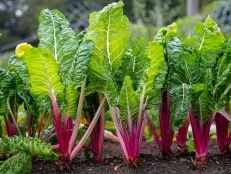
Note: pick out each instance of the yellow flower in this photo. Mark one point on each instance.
(21, 49)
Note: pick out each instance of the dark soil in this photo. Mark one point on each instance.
(151, 161)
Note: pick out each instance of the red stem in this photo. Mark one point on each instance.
(181, 137)
(10, 127)
(57, 122)
(200, 132)
(223, 137)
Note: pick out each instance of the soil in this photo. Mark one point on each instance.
(151, 161)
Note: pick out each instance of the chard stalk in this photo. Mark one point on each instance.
(78, 116)
(101, 131)
(12, 116)
(154, 132)
(58, 124)
(89, 130)
(117, 127)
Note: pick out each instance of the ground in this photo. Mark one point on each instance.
(150, 162)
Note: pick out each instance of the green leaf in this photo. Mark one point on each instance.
(17, 164)
(111, 92)
(209, 36)
(179, 81)
(2, 82)
(94, 87)
(128, 101)
(134, 64)
(181, 102)
(56, 36)
(43, 73)
(207, 41)
(71, 101)
(222, 88)
(166, 32)
(30, 145)
(202, 97)
(155, 73)
(109, 32)
(79, 68)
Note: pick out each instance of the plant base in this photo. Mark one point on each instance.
(200, 161)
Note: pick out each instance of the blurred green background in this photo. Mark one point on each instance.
(19, 18)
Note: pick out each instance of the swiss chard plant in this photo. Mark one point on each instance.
(168, 108)
(57, 74)
(125, 76)
(14, 91)
(221, 93)
(194, 78)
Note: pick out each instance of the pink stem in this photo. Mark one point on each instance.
(89, 130)
(58, 125)
(77, 120)
(153, 129)
(181, 138)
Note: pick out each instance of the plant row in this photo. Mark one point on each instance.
(72, 83)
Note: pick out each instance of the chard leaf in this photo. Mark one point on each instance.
(17, 66)
(17, 164)
(207, 41)
(2, 83)
(128, 101)
(56, 36)
(202, 97)
(179, 83)
(181, 101)
(155, 73)
(209, 36)
(71, 101)
(166, 32)
(43, 73)
(79, 67)
(109, 32)
(94, 87)
(134, 64)
(30, 145)
(222, 88)
(111, 92)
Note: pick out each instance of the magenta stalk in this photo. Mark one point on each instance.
(200, 132)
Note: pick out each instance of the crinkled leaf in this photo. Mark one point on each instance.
(17, 164)
(128, 101)
(56, 36)
(111, 92)
(71, 100)
(202, 97)
(207, 41)
(134, 64)
(222, 88)
(156, 71)
(30, 145)
(181, 102)
(109, 32)
(43, 73)
(179, 81)
(79, 68)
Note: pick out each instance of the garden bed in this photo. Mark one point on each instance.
(150, 162)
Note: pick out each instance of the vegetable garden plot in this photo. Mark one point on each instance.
(72, 84)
